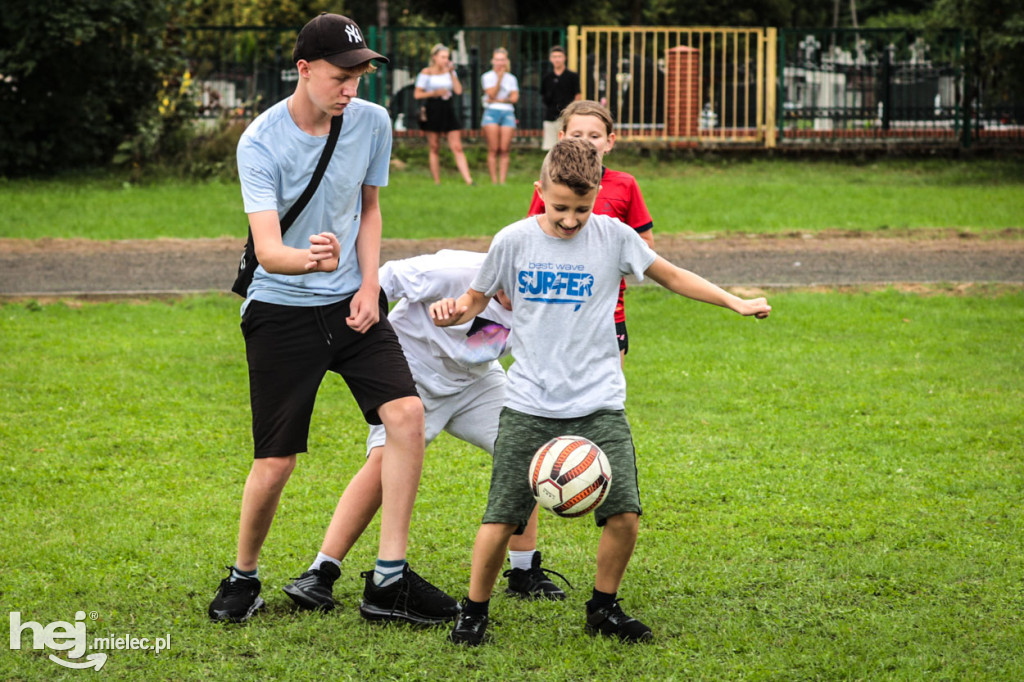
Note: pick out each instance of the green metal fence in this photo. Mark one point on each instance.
(471, 49)
(243, 70)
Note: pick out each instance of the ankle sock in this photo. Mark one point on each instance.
(600, 599)
(322, 559)
(239, 574)
(476, 608)
(387, 572)
(522, 560)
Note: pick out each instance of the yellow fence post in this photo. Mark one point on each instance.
(573, 47)
(770, 85)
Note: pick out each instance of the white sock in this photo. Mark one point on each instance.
(322, 558)
(523, 560)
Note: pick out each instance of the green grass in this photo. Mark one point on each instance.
(684, 196)
(834, 493)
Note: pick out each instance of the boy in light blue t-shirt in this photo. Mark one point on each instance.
(561, 270)
(314, 306)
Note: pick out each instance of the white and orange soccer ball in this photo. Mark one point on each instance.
(570, 476)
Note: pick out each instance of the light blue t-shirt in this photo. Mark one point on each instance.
(276, 160)
(563, 295)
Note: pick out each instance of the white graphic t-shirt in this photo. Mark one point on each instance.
(563, 294)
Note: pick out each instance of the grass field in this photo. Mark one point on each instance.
(684, 197)
(834, 493)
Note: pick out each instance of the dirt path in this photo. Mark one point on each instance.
(49, 267)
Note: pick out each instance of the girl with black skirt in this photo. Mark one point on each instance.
(435, 86)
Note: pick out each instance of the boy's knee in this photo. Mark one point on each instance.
(274, 470)
(403, 418)
(627, 523)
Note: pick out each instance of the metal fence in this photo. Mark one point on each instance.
(869, 85)
(243, 70)
(409, 51)
(682, 86)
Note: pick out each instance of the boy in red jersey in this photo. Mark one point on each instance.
(619, 195)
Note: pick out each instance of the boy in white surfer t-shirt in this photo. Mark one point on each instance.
(561, 271)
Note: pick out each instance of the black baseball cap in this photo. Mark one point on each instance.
(335, 38)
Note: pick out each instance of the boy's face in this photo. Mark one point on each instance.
(330, 87)
(565, 212)
(557, 60)
(592, 129)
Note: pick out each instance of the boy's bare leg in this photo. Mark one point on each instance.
(260, 497)
(528, 540)
(615, 550)
(356, 508)
(488, 558)
(401, 465)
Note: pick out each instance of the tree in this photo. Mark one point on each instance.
(75, 76)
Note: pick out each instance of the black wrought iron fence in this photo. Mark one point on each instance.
(870, 84)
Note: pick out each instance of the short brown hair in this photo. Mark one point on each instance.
(574, 163)
(587, 107)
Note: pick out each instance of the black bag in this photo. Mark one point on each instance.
(248, 263)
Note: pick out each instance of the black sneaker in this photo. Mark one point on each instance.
(612, 622)
(236, 600)
(533, 582)
(411, 599)
(314, 590)
(470, 629)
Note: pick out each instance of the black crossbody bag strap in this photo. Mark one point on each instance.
(318, 174)
(247, 264)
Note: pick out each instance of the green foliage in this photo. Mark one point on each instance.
(833, 493)
(78, 78)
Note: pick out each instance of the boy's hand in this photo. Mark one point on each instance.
(446, 312)
(758, 307)
(324, 252)
(363, 312)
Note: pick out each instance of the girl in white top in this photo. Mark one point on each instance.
(501, 92)
(435, 86)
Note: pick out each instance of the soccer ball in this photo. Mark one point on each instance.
(570, 476)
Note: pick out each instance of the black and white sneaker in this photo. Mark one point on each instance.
(411, 599)
(533, 582)
(314, 589)
(610, 621)
(470, 628)
(236, 600)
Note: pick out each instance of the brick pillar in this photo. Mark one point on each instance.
(682, 97)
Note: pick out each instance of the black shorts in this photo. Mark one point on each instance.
(623, 336)
(290, 349)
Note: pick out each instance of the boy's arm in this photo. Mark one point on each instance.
(365, 312)
(452, 311)
(686, 283)
(275, 257)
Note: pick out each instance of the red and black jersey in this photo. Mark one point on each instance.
(620, 198)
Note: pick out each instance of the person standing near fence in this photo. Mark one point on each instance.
(435, 86)
(559, 88)
(501, 93)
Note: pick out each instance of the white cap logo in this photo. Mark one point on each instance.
(353, 34)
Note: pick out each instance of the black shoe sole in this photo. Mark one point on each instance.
(377, 614)
(305, 602)
(222, 617)
(643, 639)
(530, 596)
